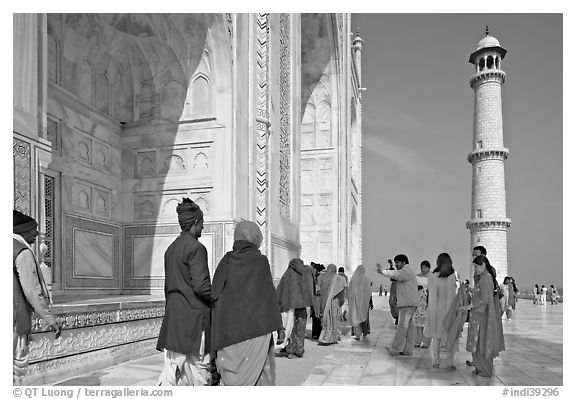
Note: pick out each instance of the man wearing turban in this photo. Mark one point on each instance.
(185, 332)
(30, 293)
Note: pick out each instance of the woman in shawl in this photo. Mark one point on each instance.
(331, 299)
(485, 337)
(359, 295)
(296, 293)
(421, 309)
(245, 312)
(442, 288)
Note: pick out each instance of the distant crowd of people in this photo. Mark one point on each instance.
(540, 295)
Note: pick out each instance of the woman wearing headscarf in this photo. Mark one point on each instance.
(296, 293)
(442, 288)
(359, 295)
(331, 299)
(245, 312)
(485, 337)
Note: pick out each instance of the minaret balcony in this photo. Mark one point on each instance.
(488, 224)
(488, 153)
(486, 75)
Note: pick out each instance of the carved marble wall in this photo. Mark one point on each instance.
(330, 145)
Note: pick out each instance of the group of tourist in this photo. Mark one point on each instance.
(431, 308)
(540, 295)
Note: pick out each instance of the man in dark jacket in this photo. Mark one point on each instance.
(185, 332)
(30, 293)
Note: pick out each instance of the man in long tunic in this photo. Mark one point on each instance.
(30, 293)
(185, 332)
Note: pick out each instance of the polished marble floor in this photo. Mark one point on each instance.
(533, 357)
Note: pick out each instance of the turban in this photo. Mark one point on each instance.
(248, 231)
(188, 212)
(23, 223)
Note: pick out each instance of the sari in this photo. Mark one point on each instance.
(359, 294)
(485, 336)
(332, 298)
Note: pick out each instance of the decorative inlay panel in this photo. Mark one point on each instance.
(262, 124)
(22, 176)
(79, 237)
(212, 238)
(285, 113)
(93, 254)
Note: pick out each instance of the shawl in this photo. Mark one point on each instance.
(245, 301)
(359, 294)
(331, 284)
(487, 323)
(296, 287)
(325, 282)
(455, 318)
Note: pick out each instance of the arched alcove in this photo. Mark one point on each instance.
(85, 81)
(53, 59)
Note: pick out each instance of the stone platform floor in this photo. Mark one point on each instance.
(533, 357)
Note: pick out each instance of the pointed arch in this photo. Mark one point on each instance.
(86, 81)
(103, 93)
(54, 58)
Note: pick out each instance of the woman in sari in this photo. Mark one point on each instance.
(359, 295)
(331, 300)
(295, 293)
(245, 312)
(485, 338)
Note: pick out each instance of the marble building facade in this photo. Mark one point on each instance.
(118, 116)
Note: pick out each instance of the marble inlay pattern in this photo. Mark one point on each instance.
(285, 115)
(22, 175)
(100, 250)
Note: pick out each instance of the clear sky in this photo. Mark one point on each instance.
(417, 132)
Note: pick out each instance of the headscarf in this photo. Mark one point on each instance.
(22, 223)
(331, 284)
(245, 301)
(188, 212)
(248, 231)
(359, 294)
(296, 287)
(325, 282)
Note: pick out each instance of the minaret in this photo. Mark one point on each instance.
(488, 224)
(357, 45)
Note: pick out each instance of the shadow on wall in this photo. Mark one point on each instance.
(124, 87)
